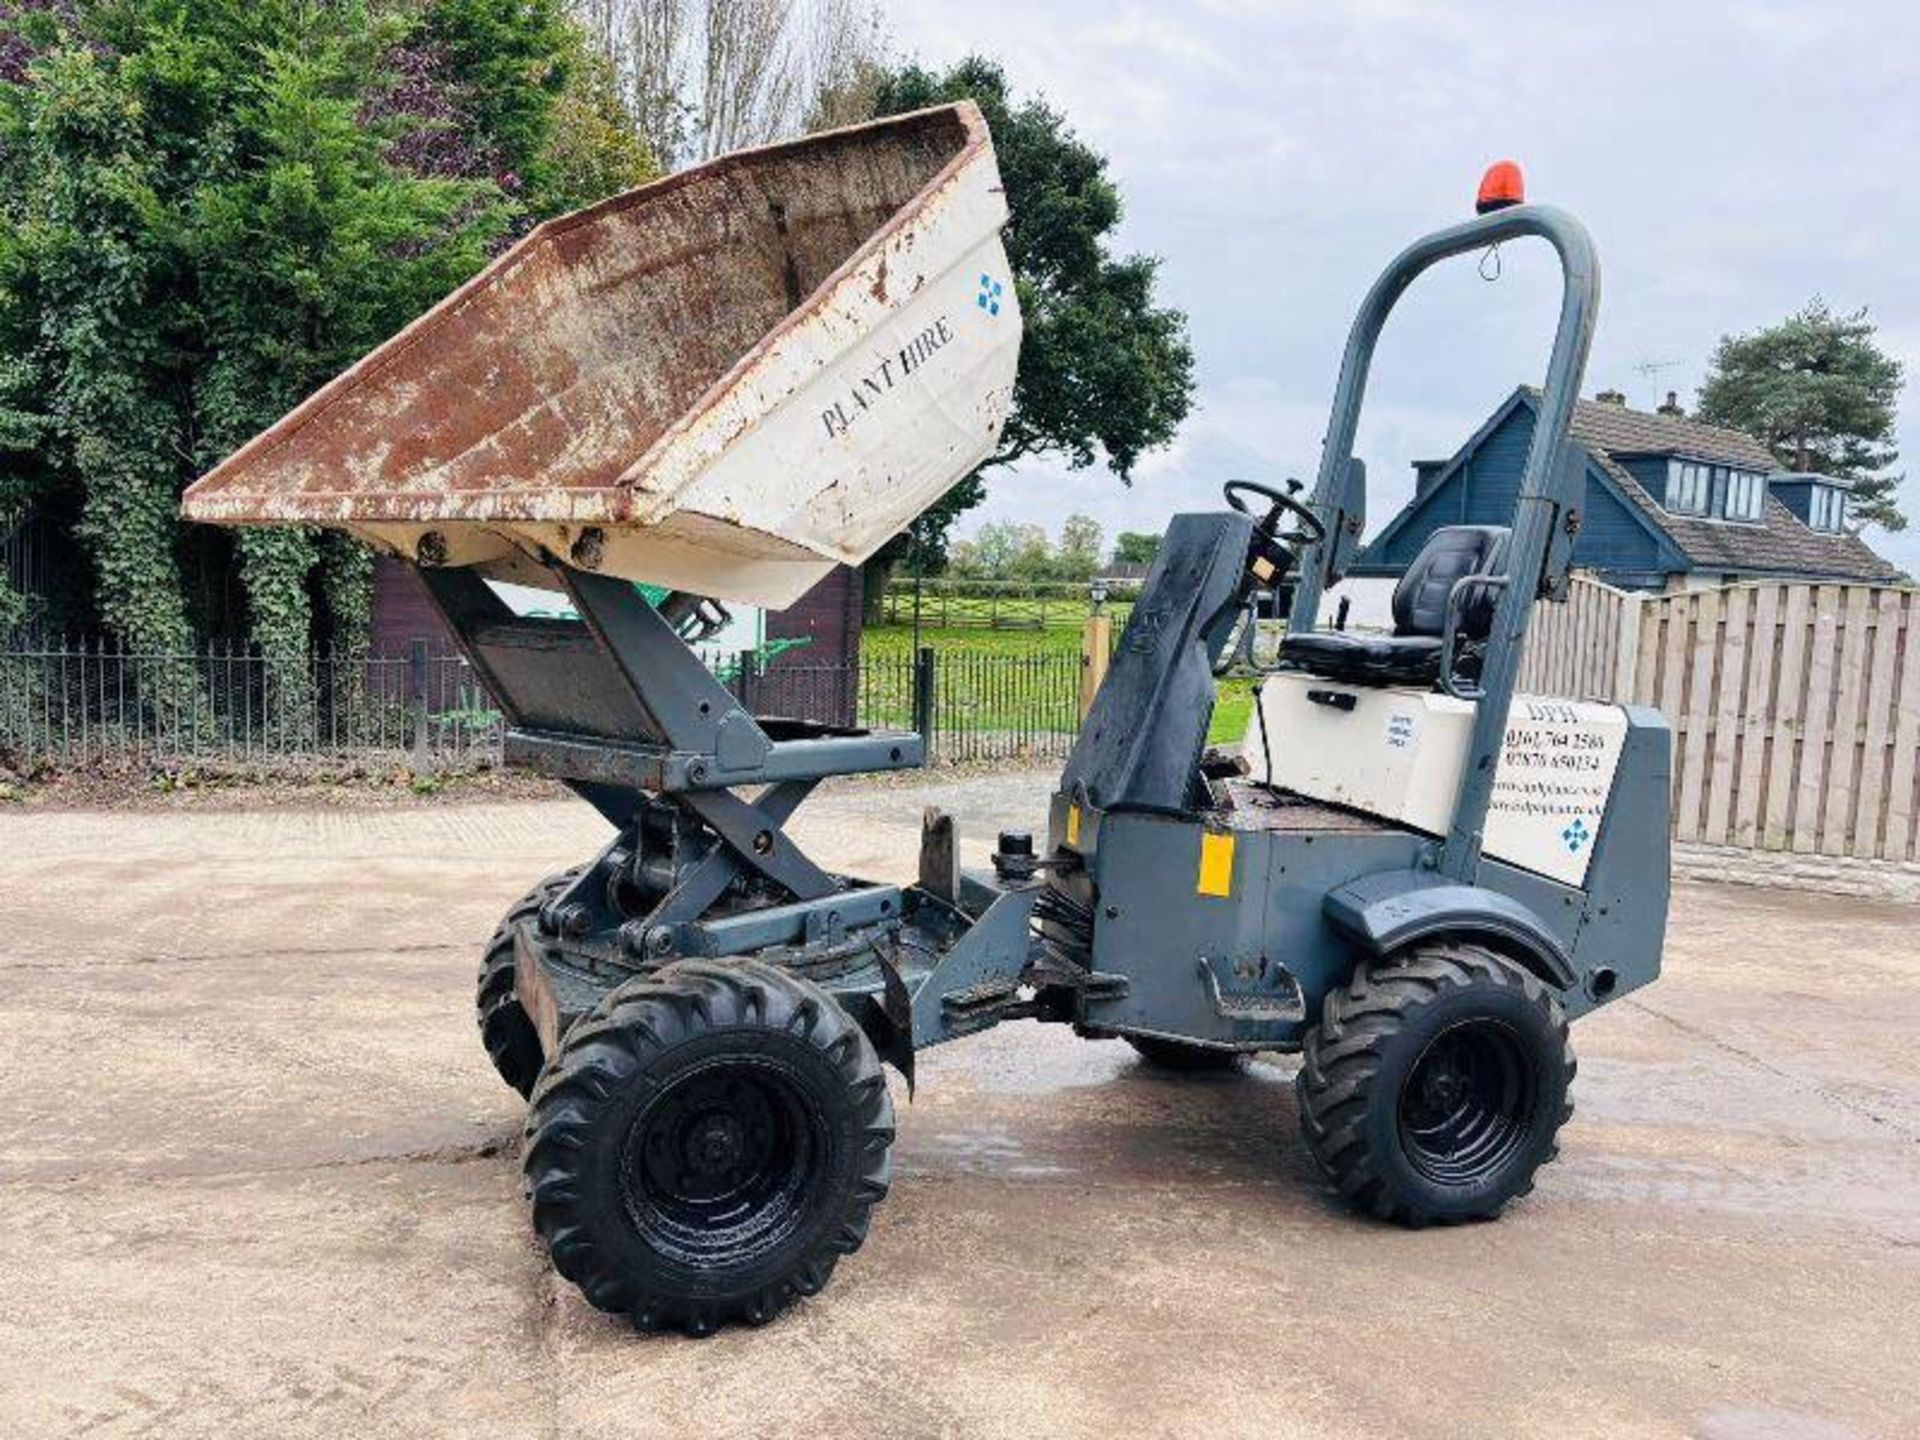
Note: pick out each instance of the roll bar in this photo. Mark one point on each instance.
(1546, 515)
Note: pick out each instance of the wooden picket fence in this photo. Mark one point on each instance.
(1584, 648)
(1795, 707)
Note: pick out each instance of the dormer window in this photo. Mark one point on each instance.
(1716, 492)
(1827, 510)
(1746, 495)
(1689, 487)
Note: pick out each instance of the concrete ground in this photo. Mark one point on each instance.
(257, 1178)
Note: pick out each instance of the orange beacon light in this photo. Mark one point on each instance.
(1500, 187)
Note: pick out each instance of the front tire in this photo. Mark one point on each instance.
(707, 1144)
(505, 1027)
(1435, 1085)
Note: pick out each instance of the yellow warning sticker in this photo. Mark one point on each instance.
(1216, 865)
(1073, 824)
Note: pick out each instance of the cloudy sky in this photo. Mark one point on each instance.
(1731, 160)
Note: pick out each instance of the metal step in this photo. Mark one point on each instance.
(1259, 991)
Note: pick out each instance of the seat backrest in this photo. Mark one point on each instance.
(1420, 599)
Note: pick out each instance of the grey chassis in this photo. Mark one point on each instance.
(699, 1014)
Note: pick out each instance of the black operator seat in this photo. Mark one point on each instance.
(1411, 655)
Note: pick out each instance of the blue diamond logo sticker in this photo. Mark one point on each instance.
(1576, 836)
(990, 292)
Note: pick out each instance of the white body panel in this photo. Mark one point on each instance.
(842, 433)
(1399, 753)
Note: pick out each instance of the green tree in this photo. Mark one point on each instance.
(90, 355)
(1822, 395)
(593, 149)
(507, 64)
(1033, 557)
(300, 261)
(1133, 547)
(1106, 373)
(1079, 551)
(209, 207)
(963, 561)
(996, 549)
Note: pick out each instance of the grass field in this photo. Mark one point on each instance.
(965, 685)
(988, 609)
(891, 640)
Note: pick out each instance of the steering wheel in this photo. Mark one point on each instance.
(1279, 502)
(1271, 555)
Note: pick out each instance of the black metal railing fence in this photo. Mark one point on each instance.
(67, 704)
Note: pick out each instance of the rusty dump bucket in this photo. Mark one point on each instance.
(724, 382)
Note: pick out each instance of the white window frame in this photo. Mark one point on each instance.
(1751, 486)
(1827, 510)
(1693, 481)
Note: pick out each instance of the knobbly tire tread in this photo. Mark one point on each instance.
(1180, 1058)
(608, 1050)
(1342, 1059)
(505, 1028)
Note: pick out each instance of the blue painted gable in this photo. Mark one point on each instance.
(1615, 541)
(1650, 471)
(1481, 485)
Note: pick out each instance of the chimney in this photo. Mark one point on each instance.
(1612, 397)
(1672, 407)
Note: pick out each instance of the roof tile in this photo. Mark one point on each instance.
(1620, 431)
(1782, 545)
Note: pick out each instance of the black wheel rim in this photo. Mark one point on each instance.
(1467, 1104)
(725, 1162)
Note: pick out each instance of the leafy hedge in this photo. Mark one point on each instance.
(209, 207)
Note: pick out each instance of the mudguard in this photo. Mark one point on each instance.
(1390, 910)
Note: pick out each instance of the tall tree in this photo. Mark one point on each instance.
(1106, 373)
(1134, 547)
(995, 548)
(1078, 556)
(703, 77)
(594, 149)
(1821, 393)
(1032, 554)
(90, 389)
(298, 262)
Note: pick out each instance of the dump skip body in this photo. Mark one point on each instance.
(725, 382)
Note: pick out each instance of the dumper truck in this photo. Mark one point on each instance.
(727, 382)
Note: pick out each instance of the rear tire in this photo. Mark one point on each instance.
(505, 1028)
(1178, 1055)
(1435, 1085)
(707, 1144)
